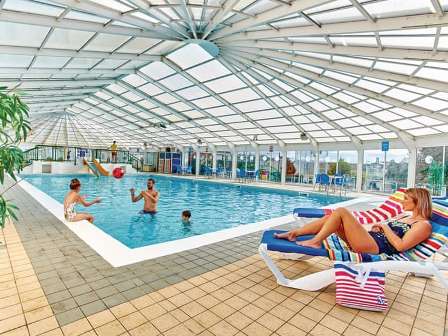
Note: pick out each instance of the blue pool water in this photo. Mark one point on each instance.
(214, 206)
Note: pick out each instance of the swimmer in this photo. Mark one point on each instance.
(150, 197)
(186, 215)
(72, 198)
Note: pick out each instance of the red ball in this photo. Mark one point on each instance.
(118, 172)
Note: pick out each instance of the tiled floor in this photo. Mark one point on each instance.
(51, 283)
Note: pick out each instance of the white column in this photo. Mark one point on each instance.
(284, 166)
(198, 161)
(185, 158)
(359, 170)
(412, 166)
(257, 158)
(316, 165)
(214, 162)
(234, 162)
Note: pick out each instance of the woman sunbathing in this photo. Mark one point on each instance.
(396, 236)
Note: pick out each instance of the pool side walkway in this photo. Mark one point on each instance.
(52, 283)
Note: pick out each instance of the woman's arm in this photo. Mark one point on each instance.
(418, 233)
(87, 204)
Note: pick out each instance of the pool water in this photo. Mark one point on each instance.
(214, 206)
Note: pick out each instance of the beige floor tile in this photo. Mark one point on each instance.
(320, 330)
(34, 304)
(366, 325)
(123, 309)
(184, 286)
(146, 329)
(239, 320)
(180, 299)
(334, 324)
(77, 328)
(133, 320)
(207, 319)
(377, 317)
(430, 327)
(419, 332)
(223, 328)
(196, 293)
(256, 329)
(32, 294)
(194, 327)
(180, 315)
(153, 311)
(167, 305)
(42, 326)
(165, 322)
(38, 314)
(54, 332)
(10, 311)
(142, 302)
(192, 309)
(252, 311)
(113, 328)
(21, 331)
(101, 318)
(179, 330)
(290, 330)
(208, 301)
(223, 310)
(312, 313)
(384, 331)
(397, 325)
(169, 291)
(270, 321)
(236, 302)
(282, 313)
(12, 323)
(303, 322)
(354, 331)
(9, 301)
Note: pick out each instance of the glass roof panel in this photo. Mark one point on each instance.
(189, 55)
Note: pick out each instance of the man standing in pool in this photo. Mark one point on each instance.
(150, 197)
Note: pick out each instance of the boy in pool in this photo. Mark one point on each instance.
(186, 215)
(150, 196)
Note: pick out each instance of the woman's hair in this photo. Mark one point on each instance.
(74, 184)
(422, 201)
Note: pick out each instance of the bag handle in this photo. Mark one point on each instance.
(363, 275)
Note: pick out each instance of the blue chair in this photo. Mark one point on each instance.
(324, 181)
(317, 181)
(189, 170)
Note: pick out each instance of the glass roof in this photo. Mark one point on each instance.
(228, 72)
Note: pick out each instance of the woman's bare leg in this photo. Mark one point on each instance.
(342, 221)
(309, 228)
(83, 216)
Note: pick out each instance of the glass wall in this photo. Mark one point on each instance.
(206, 163)
(431, 169)
(246, 161)
(385, 172)
(270, 166)
(328, 162)
(300, 167)
(224, 162)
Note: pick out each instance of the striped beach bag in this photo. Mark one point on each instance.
(360, 289)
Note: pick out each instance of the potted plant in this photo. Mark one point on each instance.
(14, 128)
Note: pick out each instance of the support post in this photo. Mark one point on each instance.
(198, 161)
(412, 167)
(316, 165)
(234, 163)
(284, 166)
(214, 162)
(257, 158)
(359, 170)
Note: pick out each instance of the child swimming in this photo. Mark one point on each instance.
(186, 215)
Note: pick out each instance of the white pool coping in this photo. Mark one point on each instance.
(117, 254)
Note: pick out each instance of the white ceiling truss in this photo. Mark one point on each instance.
(228, 72)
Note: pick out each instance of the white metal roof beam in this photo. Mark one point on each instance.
(362, 10)
(43, 93)
(218, 97)
(297, 101)
(361, 91)
(265, 97)
(49, 83)
(358, 70)
(387, 24)
(387, 52)
(50, 21)
(336, 101)
(219, 16)
(107, 12)
(267, 16)
(188, 103)
(71, 71)
(437, 7)
(31, 51)
(106, 112)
